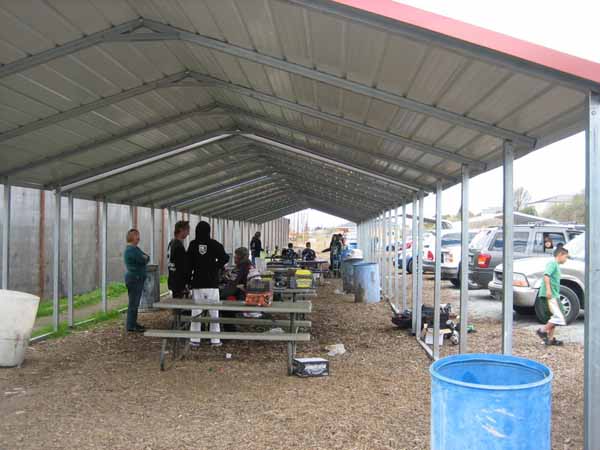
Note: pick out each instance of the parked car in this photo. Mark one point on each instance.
(528, 241)
(528, 276)
(428, 247)
(450, 256)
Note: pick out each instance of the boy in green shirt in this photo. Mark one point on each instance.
(550, 290)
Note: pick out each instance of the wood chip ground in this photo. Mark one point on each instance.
(102, 389)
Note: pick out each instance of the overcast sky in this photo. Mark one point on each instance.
(565, 26)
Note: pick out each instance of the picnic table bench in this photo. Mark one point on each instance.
(176, 336)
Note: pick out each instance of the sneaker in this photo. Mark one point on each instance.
(216, 344)
(542, 334)
(553, 341)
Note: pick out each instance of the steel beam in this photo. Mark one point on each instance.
(464, 261)
(273, 122)
(237, 198)
(152, 235)
(196, 181)
(227, 157)
(414, 264)
(418, 259)
(507, 259)
(425, 148)
(282, 211)
(68, 48)
(104, 256)
(592, 278)
(382, 194)
(437, 293)
(6, 216)
(404, 284)
(198, 194)
(56, 262)
(242, 200)
(209, 110)
(342, 83)
(261, 207)
(293, 148)
(92, 106)
(70, 262)
(225, 189)
(139, 160)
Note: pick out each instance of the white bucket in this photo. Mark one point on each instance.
(17, 316)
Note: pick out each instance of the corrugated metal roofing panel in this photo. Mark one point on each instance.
(389, 68)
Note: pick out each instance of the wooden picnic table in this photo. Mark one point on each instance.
(177, 335)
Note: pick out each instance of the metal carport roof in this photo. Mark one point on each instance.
(344, 106)
(253, 109)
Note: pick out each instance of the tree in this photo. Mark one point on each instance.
(529, 210)
(573, 211)
(522, 197)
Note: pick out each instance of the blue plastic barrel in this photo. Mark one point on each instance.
(491, 402)
(348, 273)
(366, 283)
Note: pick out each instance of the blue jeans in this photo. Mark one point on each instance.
(135, 286)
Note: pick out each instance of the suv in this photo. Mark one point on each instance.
(450, 256)
(528, 240)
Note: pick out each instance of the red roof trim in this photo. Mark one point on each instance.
(482, 37)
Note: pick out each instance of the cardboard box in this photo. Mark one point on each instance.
(311, 367)
(429, 337)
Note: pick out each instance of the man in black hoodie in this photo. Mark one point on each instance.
(206, 258)
(255, 247)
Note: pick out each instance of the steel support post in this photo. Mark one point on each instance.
(6, 235)
(592, 278)
(152, 235)
(388, 255)
(437, 292)
(104, 256)
(70, 264)
(464, 260)
(418, 259)
(131, 216)
(386, 274)
(397, 291)
(507, 260)
(404, 240)
(413, 249)
(56, 262)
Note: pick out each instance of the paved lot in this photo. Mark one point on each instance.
(483, 306)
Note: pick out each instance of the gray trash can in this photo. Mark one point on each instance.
(151, 292)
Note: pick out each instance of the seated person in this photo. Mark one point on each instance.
(233, 287)
(308, 254)
(289, 253)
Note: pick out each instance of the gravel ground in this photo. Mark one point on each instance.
(101, 389)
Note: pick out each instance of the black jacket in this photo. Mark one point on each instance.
(207, 258)
(255, 247)
(308, 254)
(179, 275)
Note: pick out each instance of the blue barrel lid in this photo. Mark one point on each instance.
(486, 358)
(365, 264)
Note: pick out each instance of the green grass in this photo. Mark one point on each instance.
(94, 297)
(64, 330)
(114, 290)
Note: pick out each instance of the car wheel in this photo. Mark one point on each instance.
(524, 310)
(569, 301)
(455, 282)
(409, 266)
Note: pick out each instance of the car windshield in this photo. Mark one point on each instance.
(576, 247)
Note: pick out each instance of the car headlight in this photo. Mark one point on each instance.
(520, 280)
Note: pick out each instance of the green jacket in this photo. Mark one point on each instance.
(135, 261)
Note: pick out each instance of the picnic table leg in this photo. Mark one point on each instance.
(291, 346)
(163, 350)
